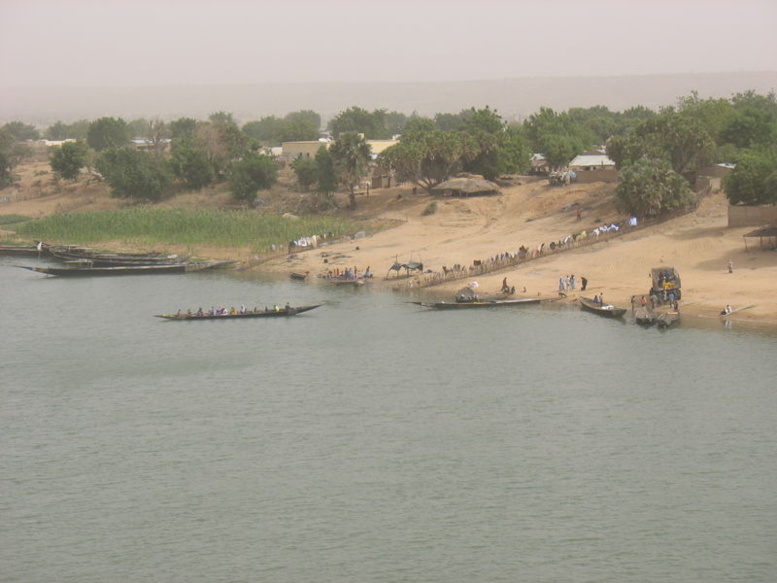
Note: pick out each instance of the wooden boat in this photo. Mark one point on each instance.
(273, 313)
(347, 282)
(117, 260)
(204, 265)
(645, 316)
(482, 304)
(606, 310)
(22, 250)
(668, 319)
(298, 276)
(468, 295)
(104, 271)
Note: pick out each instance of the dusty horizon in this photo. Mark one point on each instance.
(120, 43)
(513, 98)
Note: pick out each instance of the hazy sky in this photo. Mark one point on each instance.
(168, 42)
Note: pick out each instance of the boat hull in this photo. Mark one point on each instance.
(606, 310)
(107, 271)
(480, 304)
(283, 312)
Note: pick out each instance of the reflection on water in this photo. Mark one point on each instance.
(372, 440)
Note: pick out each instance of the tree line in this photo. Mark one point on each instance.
(657, 153)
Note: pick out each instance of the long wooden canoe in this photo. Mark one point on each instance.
(290, 311)
(482, 304)
(606, 310)
(103, 271)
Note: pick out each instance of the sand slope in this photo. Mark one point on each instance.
(699, 245)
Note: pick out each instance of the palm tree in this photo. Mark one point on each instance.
(351, 156)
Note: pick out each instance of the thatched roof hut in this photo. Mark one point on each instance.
(467, 186)
(768, 232)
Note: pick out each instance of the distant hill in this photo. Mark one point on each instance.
(514, 99)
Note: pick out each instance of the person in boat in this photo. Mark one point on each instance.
(200, 313)
(276, 308)
(726, 311)
(597, 300)
(232, 310)
(243, 309)
(288, 306)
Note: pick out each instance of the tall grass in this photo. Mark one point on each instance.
(12, 219)
(148, 226)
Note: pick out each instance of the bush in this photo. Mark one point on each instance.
(430, 209)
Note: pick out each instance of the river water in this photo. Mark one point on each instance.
(373, 440)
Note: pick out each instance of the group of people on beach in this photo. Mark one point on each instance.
(569, 283)
(349, 273)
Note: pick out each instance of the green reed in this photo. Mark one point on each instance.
(147, 226)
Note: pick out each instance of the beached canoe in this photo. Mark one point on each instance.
(482, 304)
(645, 316)
(269, 313)
(103, 271)
(668, 319)
(606, 310)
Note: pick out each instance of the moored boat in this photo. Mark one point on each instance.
(482, 304)
(606, 310)
(644, 316)
(468, 295)
(275, 312)
(106, 271)
(668, 319)
(22, 250)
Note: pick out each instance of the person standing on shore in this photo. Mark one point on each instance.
(731, 267)
(584, 281)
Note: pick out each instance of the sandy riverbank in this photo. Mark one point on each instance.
(698, 245)
(528, 212)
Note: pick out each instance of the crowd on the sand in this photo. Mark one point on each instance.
(505, 259)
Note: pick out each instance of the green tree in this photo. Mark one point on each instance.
(67, 160)
(57, 132)
(557, 136)
(268, 130)
(222, 117)
(253, 173)
(108, 133)
(499, 149)
(351, 157)
(133, 174)
(754, 180)
(650, 188)
(138, 128)
(684, 141)
(298, 129)
(429, 158)
(358, 120)
(184, 127)
(306, 170)
(77, 130)
(190, 163)
(451, 122)
(326, 179)
(12, 152)
(224, 144)
(22, 132)
(308, 116)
